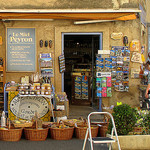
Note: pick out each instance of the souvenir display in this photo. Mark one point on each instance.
(46, 65)
(61, 63)
(81, 87)
(120, 67)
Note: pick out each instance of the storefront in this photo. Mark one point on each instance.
(78, 34)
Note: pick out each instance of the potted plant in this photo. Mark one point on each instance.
(125, 118)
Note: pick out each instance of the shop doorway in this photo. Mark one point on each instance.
(78, 81)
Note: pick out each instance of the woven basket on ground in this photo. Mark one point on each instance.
(36, 134)
(10, 134)
(59, 131)
(81, 131)
(62, 133)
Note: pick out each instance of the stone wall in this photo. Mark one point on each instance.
(51, 30)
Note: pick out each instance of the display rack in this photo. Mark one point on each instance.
(46, 65)
(81, 89)
(2, 83)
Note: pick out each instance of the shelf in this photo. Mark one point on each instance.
(1, 102)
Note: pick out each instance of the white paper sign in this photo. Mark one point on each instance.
(103, 74)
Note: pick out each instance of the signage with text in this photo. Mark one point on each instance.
(21, 49)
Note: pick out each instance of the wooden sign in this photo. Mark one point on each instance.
(116, 36)
(135, 72)
(21, 50)
(136, 57)
(24, 107)
(135, 45)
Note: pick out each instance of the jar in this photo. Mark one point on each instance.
(42, 92)
(32, 92)
(22, 92)
(43, 87)
(38, 92)
(32, 87)
(26, 92)
(38, 87)
(48, 87)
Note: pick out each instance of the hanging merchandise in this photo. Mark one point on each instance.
(136, 57)
(135, 45)
(103, 84)
(41, 43)
(61, 59)
(103, 79)
(125, 40)
(46, 65)
(50, 43)
(46, 43)
(120, 67)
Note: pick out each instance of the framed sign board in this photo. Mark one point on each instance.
(25, 107)
(20, 50)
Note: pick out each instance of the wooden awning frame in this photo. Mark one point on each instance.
(69, 14)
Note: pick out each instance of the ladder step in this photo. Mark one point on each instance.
(102, 140)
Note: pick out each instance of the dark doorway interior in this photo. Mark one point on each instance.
(80, 55)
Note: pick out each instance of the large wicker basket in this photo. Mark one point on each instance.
(10, 134)
(81, 131)
(62, 133)
(36, 134)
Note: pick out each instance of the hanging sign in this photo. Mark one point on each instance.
(135, 45)
(136, 57)
(116, 36)
(21, 50)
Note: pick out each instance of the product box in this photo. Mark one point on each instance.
(108, 81)
(109, 93)
(99, 92)
(108, 60)
(108, 67)
(104, 92)
(98, 82)
(104, 82)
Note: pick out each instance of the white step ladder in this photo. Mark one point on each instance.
(100, 140)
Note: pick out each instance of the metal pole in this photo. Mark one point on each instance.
(92, 68)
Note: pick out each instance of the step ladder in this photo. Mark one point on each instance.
(101, 140)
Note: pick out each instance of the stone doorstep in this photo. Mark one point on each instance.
(133, 142)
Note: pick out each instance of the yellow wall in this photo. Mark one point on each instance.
(51, 30)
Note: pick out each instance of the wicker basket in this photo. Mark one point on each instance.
(36, 134)
(81, 131)
(62, 133)
(10, 134)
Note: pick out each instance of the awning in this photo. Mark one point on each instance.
(71, 14)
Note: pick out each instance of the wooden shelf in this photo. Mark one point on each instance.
(1, 102)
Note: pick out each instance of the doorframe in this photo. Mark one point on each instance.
(80, 33)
